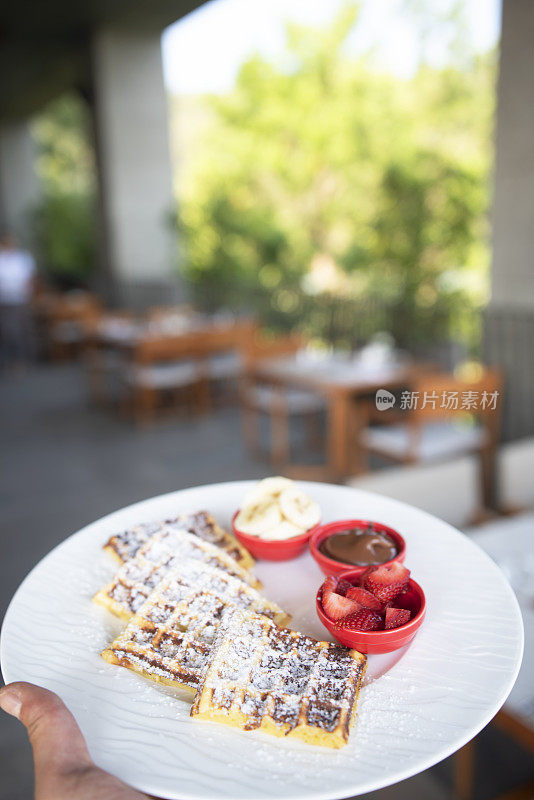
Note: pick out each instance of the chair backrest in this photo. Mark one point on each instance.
(443, 395)
(158, 313)
(234, 336)
(262, 346)
(161, 349)
(106, 317)
(195, 344)
(76, 307)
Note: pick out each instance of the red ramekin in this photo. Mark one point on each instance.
(379, 641)
(332, 567)
(281, 550)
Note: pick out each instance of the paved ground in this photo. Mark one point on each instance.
(64, 465)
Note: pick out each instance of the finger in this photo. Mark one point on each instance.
(57, 742)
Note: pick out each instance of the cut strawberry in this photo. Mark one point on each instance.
(395, 617)
(387, 581)
(337, 585)
(330, 585)
(343, 586)
(363, 576)
(335, 605)
(364, 598)
(363, 620)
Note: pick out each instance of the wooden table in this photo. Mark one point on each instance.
(63, 318)
(138, 342)
(343, 381)
(128, 335)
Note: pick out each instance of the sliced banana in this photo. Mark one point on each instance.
(299, 509)
(277, 509)
(267, 488)
(257, 520)
(284, 530)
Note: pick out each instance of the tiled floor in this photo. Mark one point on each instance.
(64, 465)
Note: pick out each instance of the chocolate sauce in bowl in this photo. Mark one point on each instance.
(359, 546)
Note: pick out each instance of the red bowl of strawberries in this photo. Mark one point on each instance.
(376, 612)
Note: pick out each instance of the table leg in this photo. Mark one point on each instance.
(358, 457)
(338, 435)
(144, 405)
(202, 391)
(488, 477)
(464, 772)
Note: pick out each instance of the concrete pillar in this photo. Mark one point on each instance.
(134, 166)
(19, 185)
(513, 210)
(509, 320)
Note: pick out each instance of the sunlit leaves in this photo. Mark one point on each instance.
(321, 157)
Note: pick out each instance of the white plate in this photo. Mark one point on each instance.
(421, 704)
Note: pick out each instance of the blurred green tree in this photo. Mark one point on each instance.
(323, 185)
(64, 219)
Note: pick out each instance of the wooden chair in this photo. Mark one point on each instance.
(517, 728)
(69, 318)
(165, 365)
(227, 359)
(182, 364)
(436, 429)
(523, 733)
(259, 398)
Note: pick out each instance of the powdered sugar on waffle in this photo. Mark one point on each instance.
(172, 634)
(268, 672)
(166, 549)
(127, 543)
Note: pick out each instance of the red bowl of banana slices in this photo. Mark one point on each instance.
(276, 519)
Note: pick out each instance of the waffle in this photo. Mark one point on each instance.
(169, 640)
(264, 677)
(167, 548)
(125, 545)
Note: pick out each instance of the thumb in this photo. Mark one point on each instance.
(57, 742)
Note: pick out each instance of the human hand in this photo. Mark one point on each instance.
(63, 767)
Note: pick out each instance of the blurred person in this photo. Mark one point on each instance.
(63, 767)
(17, 276)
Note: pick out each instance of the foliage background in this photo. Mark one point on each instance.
(327, 195)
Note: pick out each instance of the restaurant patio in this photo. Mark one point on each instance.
(188, 335)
